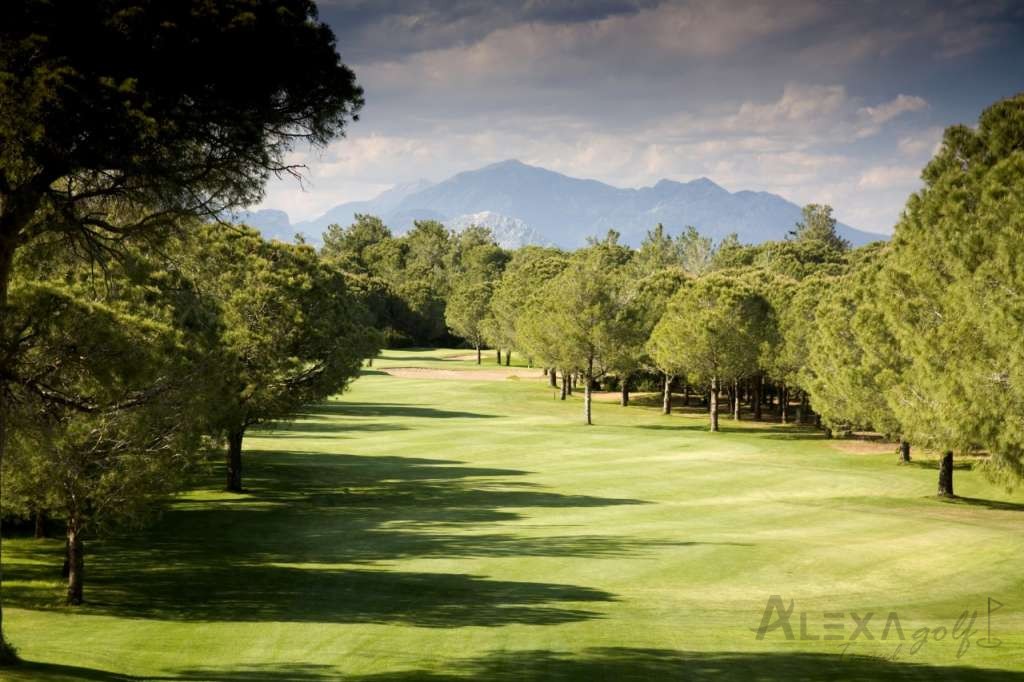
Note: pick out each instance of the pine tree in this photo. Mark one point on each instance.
(951, 294)
(712, 332)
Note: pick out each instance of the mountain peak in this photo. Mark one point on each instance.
(697, 183)
(704, 181)
(530, 202)
(507, 163)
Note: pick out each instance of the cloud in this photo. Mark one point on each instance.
(922, 144)
(646, 40)
(890, 177)
(783, 144)
(388, 30)
(798, 105)
(372, 31)
(815, 101)
(873, 118)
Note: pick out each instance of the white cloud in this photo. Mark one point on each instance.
(873, 118)
(798, 105)
(923, 144)
(792, 145)
(890, 177)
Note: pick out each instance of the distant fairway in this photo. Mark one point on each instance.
(459, 530)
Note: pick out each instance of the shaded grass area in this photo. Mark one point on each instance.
(610, 663)
(475, 530)
(251, 565)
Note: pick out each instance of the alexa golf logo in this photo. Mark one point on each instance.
(848, 628)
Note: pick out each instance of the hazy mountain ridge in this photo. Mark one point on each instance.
(548, 207)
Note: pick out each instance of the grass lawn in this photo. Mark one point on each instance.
(462, 530)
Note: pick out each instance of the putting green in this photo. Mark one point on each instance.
(455, 530)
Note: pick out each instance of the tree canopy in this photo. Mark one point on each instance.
(712, 332)
(165, 111)
(292, 330)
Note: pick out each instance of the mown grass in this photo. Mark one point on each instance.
(447, 530)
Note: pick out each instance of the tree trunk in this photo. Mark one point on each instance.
(624, 398)
(588, 389)
(946, 475)
(569, 378)
(666, 396)
(8, 244)
(40, 530)
(736, 399)
(586, 401)
(758, 381)
(904, 452)
(713, 401)
(369, 363)
(76, 562)
(801, 411)
(565, 384)
(552, 379)
(234, 460)
(784, 404)
(478, 354)
(508, 358)
(499, 356)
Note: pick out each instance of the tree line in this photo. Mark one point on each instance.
(132, 334)
(131, 369)
(138, 334)
(918, 339)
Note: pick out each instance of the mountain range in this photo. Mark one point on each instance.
(525, 204)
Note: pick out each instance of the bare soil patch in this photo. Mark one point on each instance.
(865, 447)
(639, 397)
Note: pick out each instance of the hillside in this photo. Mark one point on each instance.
(549, 207)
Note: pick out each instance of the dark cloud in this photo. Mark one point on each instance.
(819, 101)
(372, 30)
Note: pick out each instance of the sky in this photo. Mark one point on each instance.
(829, 102)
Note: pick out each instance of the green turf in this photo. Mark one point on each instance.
(451, 530)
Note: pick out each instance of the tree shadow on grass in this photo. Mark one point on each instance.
(256, 593)
(282, 672)
(285, 550)
(365, 409)
(726, 425)
(988, 504)
(621, 664)
(674, 427)
(301, 429)
(626, 664)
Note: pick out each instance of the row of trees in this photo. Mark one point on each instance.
(129, 362)
(133, 334)
(131, 367)
(918, 339)
(413, 277)
(110, 354)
